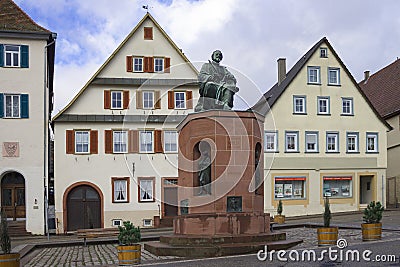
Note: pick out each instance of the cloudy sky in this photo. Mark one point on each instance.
(252, 34)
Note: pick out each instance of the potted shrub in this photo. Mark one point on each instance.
(129, 251)
(327, 236)
(279, 218)
(372, 228)
(7, 258)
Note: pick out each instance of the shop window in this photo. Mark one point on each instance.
(337, 186)
(290, 187)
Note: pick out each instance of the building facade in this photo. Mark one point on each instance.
(323, 138)
(26, 96)
(383, 90)
(116, 149)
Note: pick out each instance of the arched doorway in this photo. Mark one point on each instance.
(13, 195)
(83, 208)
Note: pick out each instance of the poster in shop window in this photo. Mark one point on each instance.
(279, 190)
(288, 190)
(345, 190)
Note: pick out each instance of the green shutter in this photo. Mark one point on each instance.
(24, 106)
(1, 105)
(24, 56)
(1, 55)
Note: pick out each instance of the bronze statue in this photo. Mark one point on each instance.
(217, 85)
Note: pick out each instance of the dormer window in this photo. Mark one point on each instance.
(323, 52)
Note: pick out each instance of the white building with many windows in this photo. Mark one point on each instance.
(323, 138)
(116, 148)
(26, 101)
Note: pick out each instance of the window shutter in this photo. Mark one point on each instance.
(148, 33)
(139, 99)
(70, 141)
(24, 99)
(1, 105)
(167, 64)
(24, 56)
(94, 142)
(126, 99)
(148, 64)
(158, 147)
(189, 99)
(157, 99)
(171, 100)
(133, 141)
(129, 64)
(1, 55)
(107, 99)
(108, 141)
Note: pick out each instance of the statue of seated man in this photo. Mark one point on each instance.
(217, 85)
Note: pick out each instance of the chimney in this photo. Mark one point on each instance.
(366, 75)
(281, 70)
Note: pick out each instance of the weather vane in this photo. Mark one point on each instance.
(147, 8)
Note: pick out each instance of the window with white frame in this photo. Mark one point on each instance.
(352, 142)
(333, 76)
(116, 99)
(372, 142)
(290, 187)
(314, 75)
(292, 139)
(12, 55)
(82, 142)
(311, 141)
(299, 104)
(146, 189)
(347, 106)
(180, 100)
(146, 141)
(170, 141)
(138, 64)
(332, 142)
(337, 186)
(158, 64)
(323, 105)
(271, 141)
(120, 141)
(12, 106)
(148, 99)
(323, 52)
(120, 189)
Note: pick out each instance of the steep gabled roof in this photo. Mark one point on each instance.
(272, 95)
(14, 19)
(147, 16)
(383, 90)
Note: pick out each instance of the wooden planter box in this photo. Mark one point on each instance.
(327, 236)
(129, 255)
(279, 219)
(371, 231)
(9, 260)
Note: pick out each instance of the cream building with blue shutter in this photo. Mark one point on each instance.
(322, 138)
(26, 89)
(116, 142)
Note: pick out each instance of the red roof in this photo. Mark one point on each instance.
(383, 90)
(13, 18)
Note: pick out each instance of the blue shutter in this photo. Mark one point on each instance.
(24, 56)
(1, 55)
(24, 106)
(1, 105)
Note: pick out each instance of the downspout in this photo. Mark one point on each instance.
(45, 138)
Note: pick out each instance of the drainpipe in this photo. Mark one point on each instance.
(45, 138)
(383, 192)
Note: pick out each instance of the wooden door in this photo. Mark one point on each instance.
(13, 195)
(170, 201)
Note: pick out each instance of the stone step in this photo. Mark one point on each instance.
(163, 249)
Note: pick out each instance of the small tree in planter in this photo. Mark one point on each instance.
(7, 258)
(327, 236)
(129, 251)
(279, 218)
(372, 228)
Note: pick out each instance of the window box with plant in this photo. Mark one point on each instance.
(327, 235)
(372, 228)
(7, 258)
(279, 218)
(129, 251)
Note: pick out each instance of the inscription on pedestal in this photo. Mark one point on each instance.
(234, 204)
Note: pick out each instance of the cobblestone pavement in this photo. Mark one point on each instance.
(106, 254)
(91, 255)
